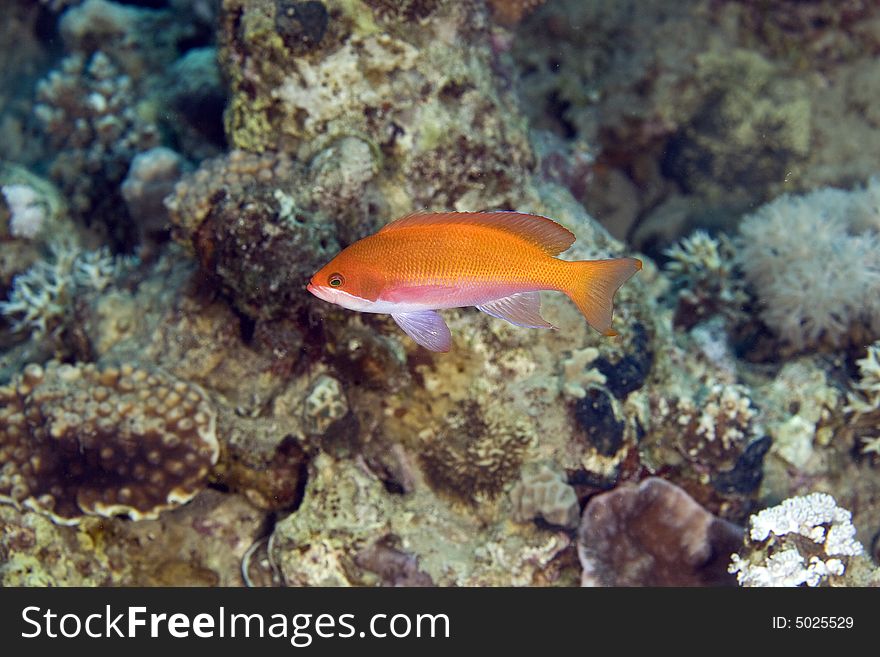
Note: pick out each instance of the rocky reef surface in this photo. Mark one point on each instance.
(176, 408)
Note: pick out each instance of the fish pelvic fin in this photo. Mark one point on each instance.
(427, 328)
(594, 284)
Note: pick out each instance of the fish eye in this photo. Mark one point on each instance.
(336, 280)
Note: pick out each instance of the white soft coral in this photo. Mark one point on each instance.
(814, 262)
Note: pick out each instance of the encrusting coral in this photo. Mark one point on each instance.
(444, 128)
(543, 493)
(653, 534)
(78, 440)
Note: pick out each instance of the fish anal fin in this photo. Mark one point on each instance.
(544, 233)
(426, 328)
(521, 309)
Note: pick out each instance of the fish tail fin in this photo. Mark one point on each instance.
(593, 286)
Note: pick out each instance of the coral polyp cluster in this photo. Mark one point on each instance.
(81, 441)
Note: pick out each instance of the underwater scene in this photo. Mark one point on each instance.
(440, 293)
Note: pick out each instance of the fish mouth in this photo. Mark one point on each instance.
(322, 292)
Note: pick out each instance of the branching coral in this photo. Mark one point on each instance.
(805, 540)
(814, 263)
(87, 110)
(42, 298)
(702, 267)
(864, 401)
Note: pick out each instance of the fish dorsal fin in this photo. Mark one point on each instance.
(540, 231)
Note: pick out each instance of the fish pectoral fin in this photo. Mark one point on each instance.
(522, 309)
(427, 328)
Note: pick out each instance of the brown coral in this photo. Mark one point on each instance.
(544, 493)
(78, 440)
(712, 444)
(477, 456)
(711, 431)
(653, 534)
(258, 244)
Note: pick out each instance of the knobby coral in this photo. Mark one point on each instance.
(87, 110)
(77, 440)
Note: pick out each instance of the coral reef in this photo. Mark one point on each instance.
(27, 212)
(194, 97)
(711, 442)
(324, 405)
(43, 299)
(32, 216)
(803, 541)
(694, 113)
(321, 447)
(751, 128)
(447, 132)
(653, 534)
(79, 440)
(474, 455)
(200, 544)
(351, 531)
(137, 39)
(511, 12)
(151, 177)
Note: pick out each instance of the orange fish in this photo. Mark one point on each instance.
(496, 261)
